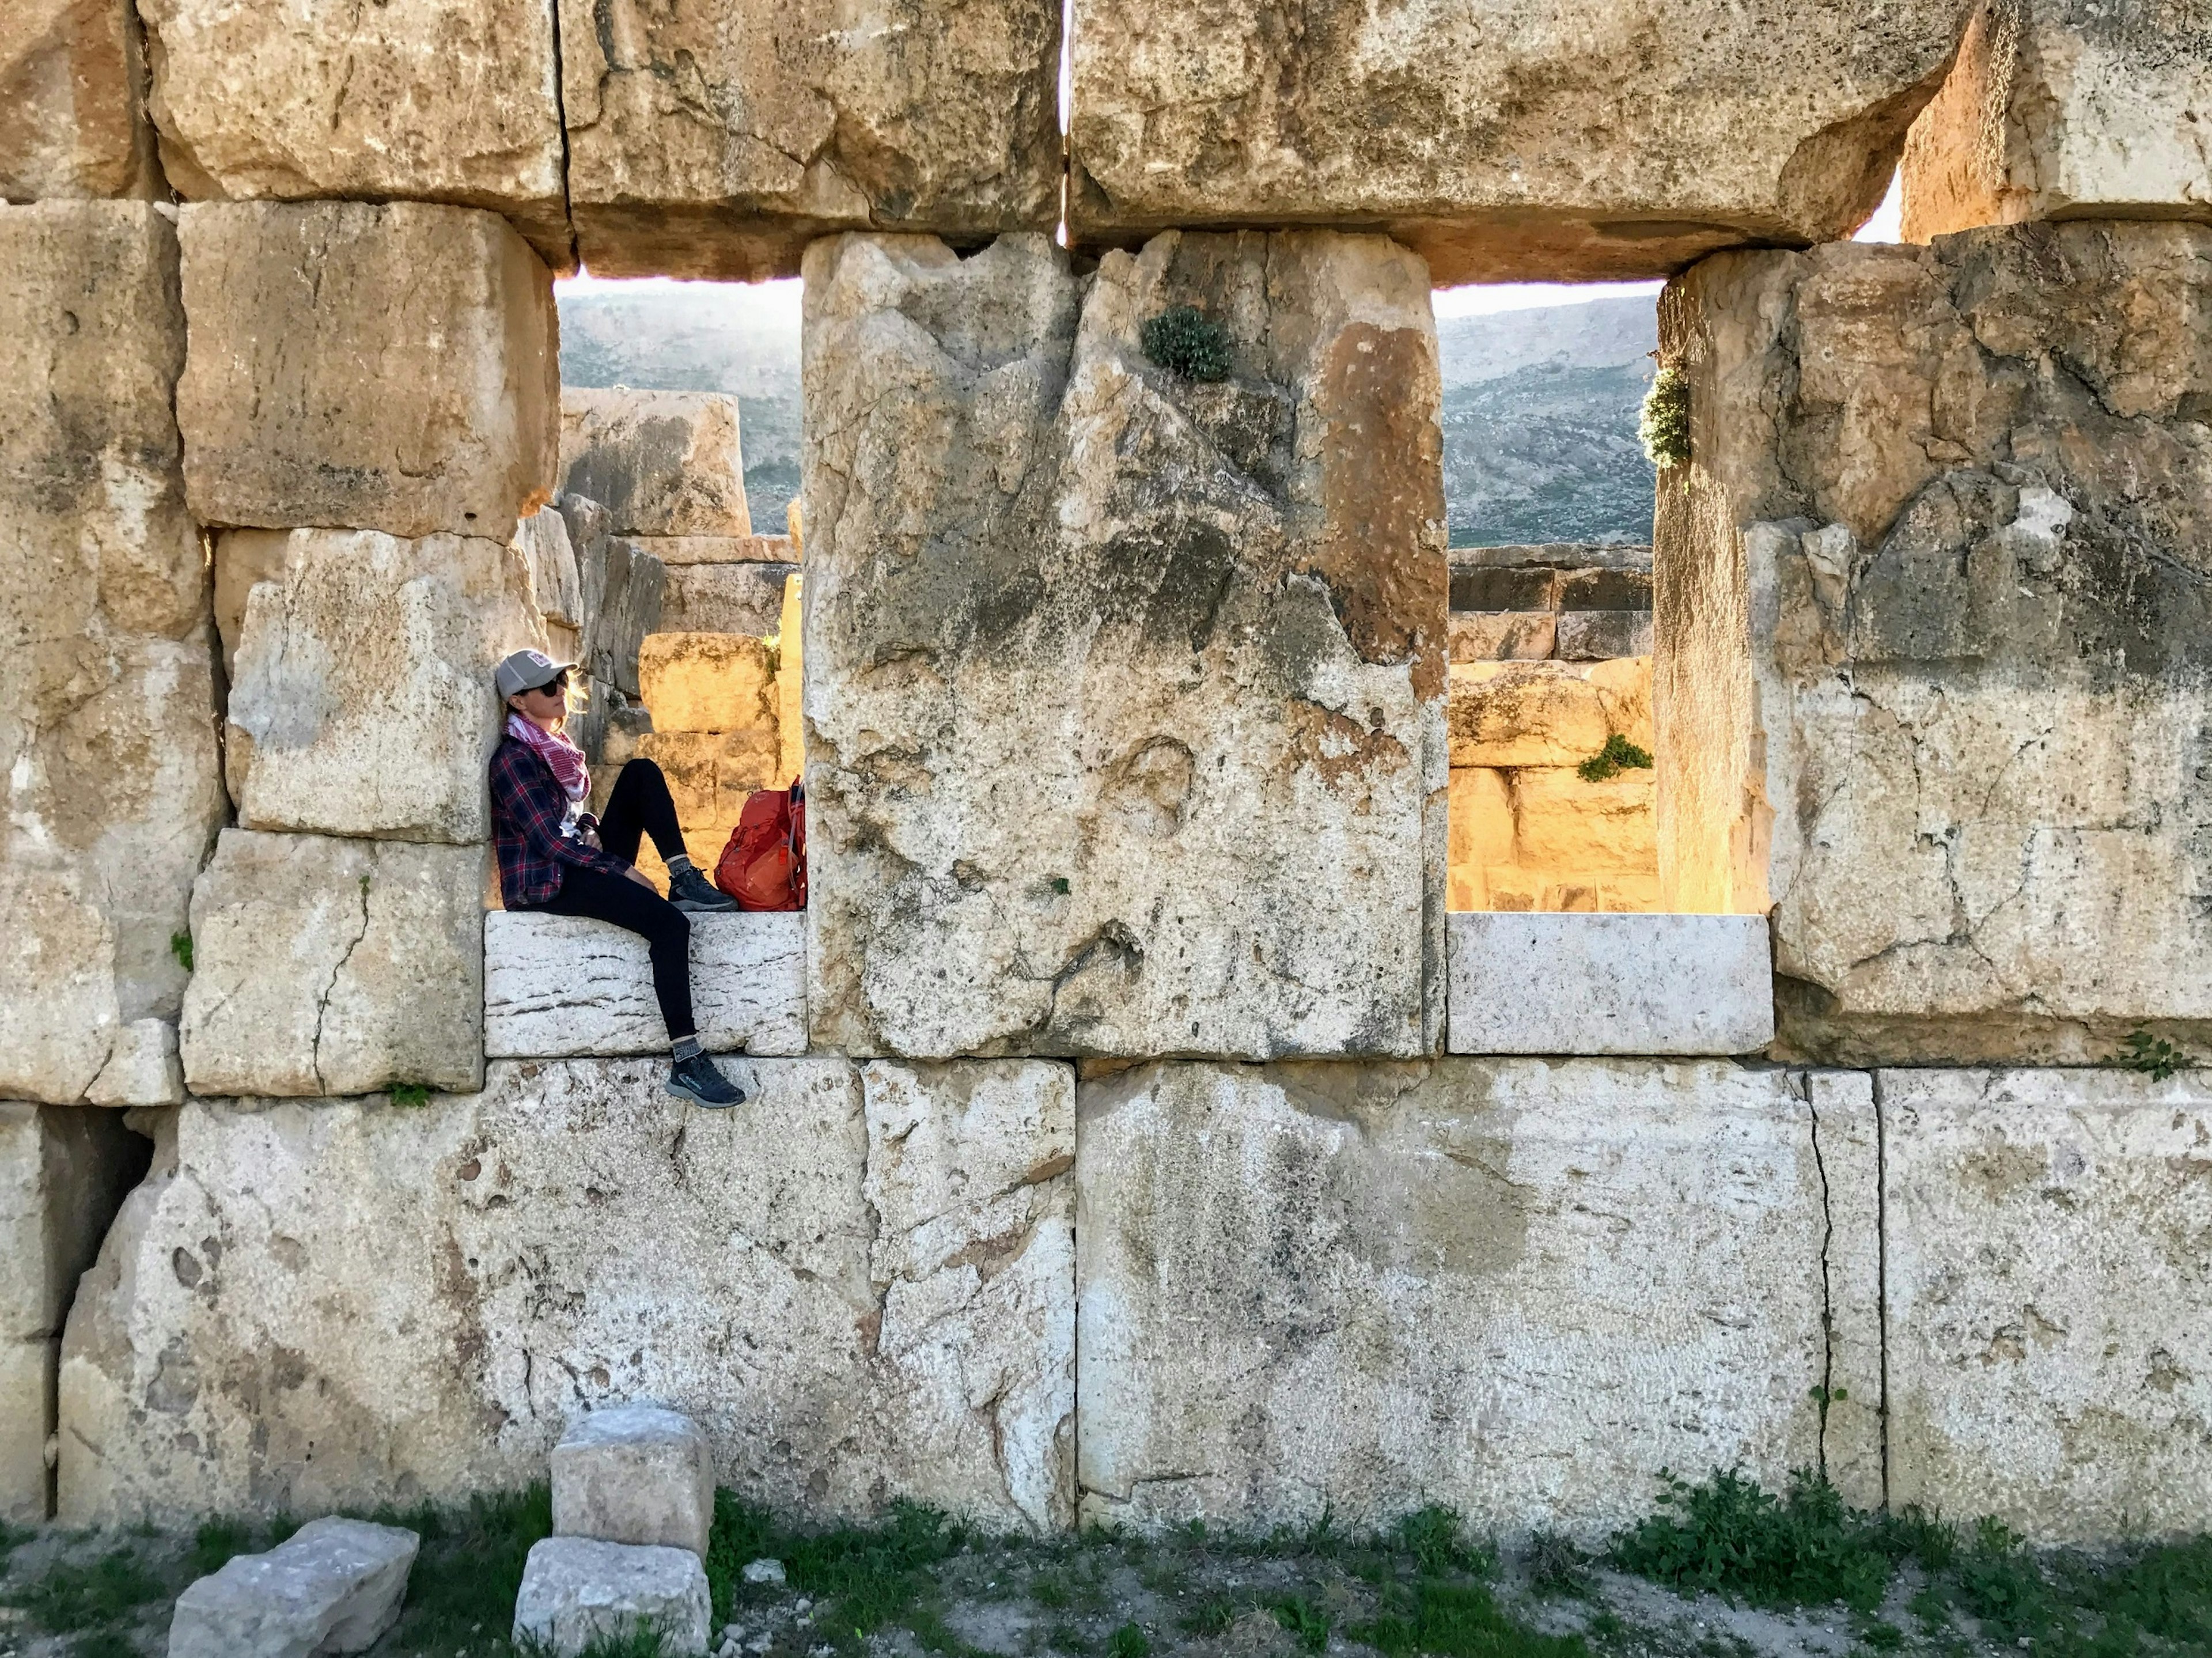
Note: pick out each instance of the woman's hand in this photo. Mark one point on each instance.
(590, 837)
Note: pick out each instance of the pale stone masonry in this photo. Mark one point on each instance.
(107, 695)
(663, 464)
(1933, 676)
(72, 123)
(1123, 692)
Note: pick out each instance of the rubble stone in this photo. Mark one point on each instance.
(71, 122)
(560, 986)
(366, 367)
(1595, 139)
(1519, 1288)
(1609, 984)
(2065, 109)
(707, 682)
(329, 966)
(718, 142)
(492, 1265)
(637, 1474)
(724, 599)
(1124, 715)
(1933, 635)
(578, 1594)
(2050, 1327)
(663, 464)
(362, 698)
(107, 720)
(334, 1586)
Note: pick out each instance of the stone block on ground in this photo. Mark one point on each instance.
(334, 1586)
(26, 1423)
(489, 1266)
(1570, 142)
(2066, 109)
(559, 986)
(662, 462)
(72, 122)
(1518, 1288)
(107, 719)
(636, 1474)
(707, 682)
(2050, 1324)
(335, 965)
(361, 699)
(434, 101)
(1609, 984)
(366, 367)
(1124, 697)
(578, 1594)
(718, 143)
(1935, 636)
(724, 599)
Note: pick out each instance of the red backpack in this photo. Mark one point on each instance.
(764, 865)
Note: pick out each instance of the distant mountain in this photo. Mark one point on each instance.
(702, 336)
(1540, 423)
(1540, 406)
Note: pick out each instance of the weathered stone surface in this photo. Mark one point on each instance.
(1502, 636)
(366, 367)
(556, 587)
(663, 464)
(27, 1422)
(635, 1473)
(1124, 714)
(361, 700)
(107, 719)
(1609, 984)
(2050, 1321)
(724, 599)
(709, 774)
(142, 1068)
(621, 587)
(329, 966)
(436, 100)
(1587, 140)
(1481, 833)
(2066, 109)
(675, 550)
(1933, 637)
(72, 123)
(717, 141)
(334, 1586)
(486, 1269)
(1534, 714)
(578, 1594)
(1848, 1137)
(558, 985)
(1519, 1288)
(707, 682)
(1562, 822)
(791, 676)
(1601, 636)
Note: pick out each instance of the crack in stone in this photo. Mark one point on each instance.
(322, 1001)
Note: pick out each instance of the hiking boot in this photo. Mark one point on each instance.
(697, 1079)
(691, 891)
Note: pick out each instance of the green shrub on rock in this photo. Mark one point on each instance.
(1185, 341)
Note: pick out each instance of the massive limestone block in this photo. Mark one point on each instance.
(724, 599)
(2066, 109)
(361, 699)
(1519, 1288)
(708, 682)
(362, 367)
(661, 463)
(329, 966)
(620, 587)
(1124, 701)
(1932, 676)
(107, 718)
(861, 1286)
(556, 585)
(1591, 139)
(2050, 1323)
(437, 101)
(718, 140)
(72, 124)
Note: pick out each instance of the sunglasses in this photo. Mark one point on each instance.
(553, 687)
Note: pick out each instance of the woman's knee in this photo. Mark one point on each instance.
(647, 772)
(668, 924)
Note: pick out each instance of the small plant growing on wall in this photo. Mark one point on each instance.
(2155, 1057)
(1619, 755)
(1185, 341)
(180, 946)
(1664, 427)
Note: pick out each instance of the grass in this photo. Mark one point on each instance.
(1619, 755)
(70, 1598)
(868, 1577)
(1128, 1642)
(1307, 1623)
(1461, 1620)
(409, 1096)
(180, 946)
(469, 1571)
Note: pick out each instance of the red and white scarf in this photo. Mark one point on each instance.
(556, 751)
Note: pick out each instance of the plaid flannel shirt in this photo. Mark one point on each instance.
(528, 808)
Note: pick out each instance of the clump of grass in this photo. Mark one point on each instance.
(470, 1569)
(68, 1598)
(872, 1576)
(2155, 1057)
(2000, 1584)
(1664, 424)
(1461, 1620)
(2163, 1592)
(1185, 341)
(1128, 1642)
(410, 1096)
(1307, 1623)
(1727, 1537)
(1557, 1567)
(1049, 1589)
(1433, 1536)
(1619, 755)
(1210, 1617)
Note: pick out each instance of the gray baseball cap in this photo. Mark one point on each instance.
(527, 671)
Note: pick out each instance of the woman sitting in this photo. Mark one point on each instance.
(554, 856)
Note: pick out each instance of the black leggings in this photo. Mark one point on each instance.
(639, 804)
